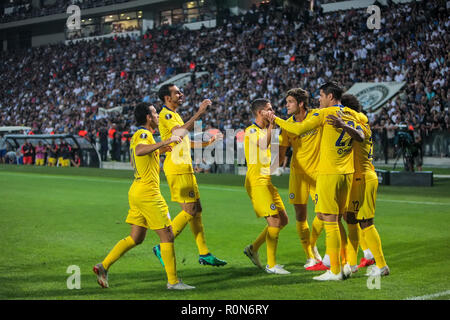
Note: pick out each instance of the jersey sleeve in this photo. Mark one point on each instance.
(298, 129)
(144, 137)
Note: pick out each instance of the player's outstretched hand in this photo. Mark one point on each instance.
(204, 105)
(216, 137)
(336, 122)
(165, 149)
(175, 139)
(268, 115)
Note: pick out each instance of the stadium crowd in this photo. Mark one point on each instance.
(61, 88)
(23, 9)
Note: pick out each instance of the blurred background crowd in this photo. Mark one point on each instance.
(89, 88)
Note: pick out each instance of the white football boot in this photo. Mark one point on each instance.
(329, 276)
(277, 269)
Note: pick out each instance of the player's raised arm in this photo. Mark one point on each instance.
(337, 122)
(296, 128)
(189, 125)
(144, 149)
(203, 144)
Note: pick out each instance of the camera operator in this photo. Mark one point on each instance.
(403, 143)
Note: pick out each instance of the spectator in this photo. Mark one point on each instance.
(11, 157)
(27, 152)
(40, 154)
(76, 161)
(2, 148)
(116, 147)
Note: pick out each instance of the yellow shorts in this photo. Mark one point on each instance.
(266, 200)
(333, 193)
(51, 161)
(39, 162)
(148, 208)
(301, 186)
(64, 162)
(183, 187)
(363, 196)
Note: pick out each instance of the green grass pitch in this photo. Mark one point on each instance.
(52, 218)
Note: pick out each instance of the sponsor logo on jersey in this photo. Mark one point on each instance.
(168, 116)
(273, 206)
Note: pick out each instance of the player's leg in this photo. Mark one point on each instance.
(365, 217)
(182, 191)
(277, 219)
(368, 259)
(275, 224)
(353, 240)
(137, 235)
(298, 196)
(343, 233)
(374, 242)
(333, 194)
(304, 234)
(167, 248)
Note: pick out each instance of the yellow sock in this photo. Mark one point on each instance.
(199, 233)
(352, 246)
(260, 240)
(362, 240)
(119, 249)
(333, 243)
(374, 242)
(180, 221)
(271, 243)
(304, 234)
(317, 227)
(343, 251)
(168, 256)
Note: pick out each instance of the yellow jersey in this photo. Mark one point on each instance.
(258, 160)
(336, 156)
(305, 148)
(363, 151)
(146, 168)
(179, 160)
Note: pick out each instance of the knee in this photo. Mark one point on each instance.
(365, 223)
(138, 240)
(170, 237)
(350, 218)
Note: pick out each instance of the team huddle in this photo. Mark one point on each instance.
(326, 164)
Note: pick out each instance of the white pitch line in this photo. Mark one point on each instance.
(415, 202)
(430, 296)
(202, 186)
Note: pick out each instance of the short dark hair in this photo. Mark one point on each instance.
(333, 88)
(259, 104)
(299, 95)
(140, 113)
(164, 91)
(351, 101)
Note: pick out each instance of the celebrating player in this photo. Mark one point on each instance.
(363, 195)
(180, 173)
(148, 209)
(302, 178)
(265, 199)
(335, 171)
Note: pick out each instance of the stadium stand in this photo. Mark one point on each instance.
(22, 9)
(60, 88)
